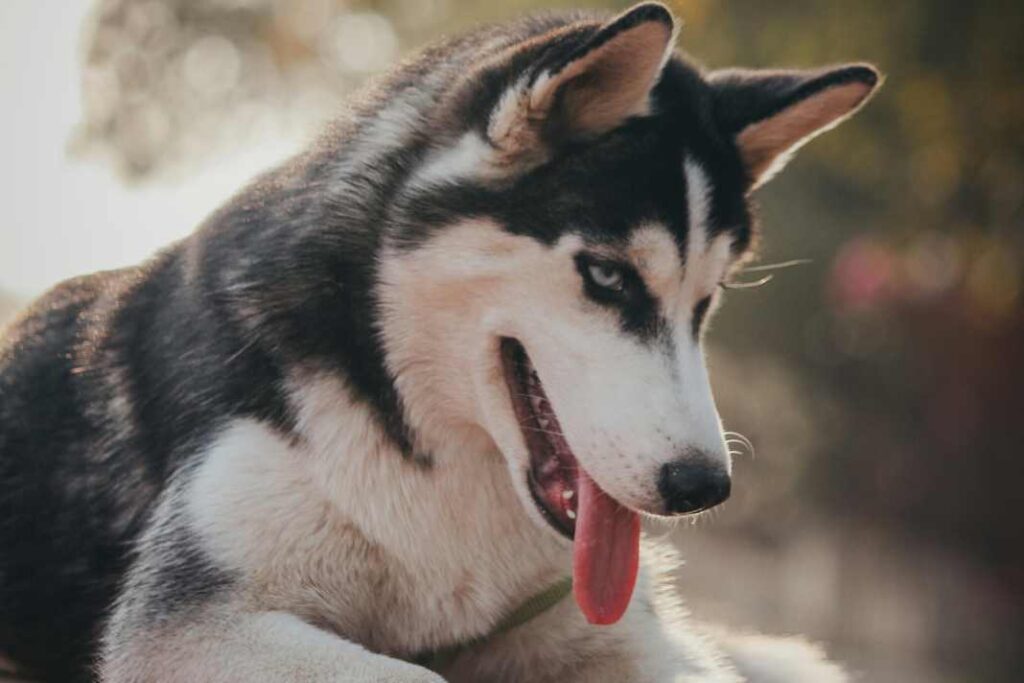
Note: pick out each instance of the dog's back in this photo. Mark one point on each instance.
(62, 554)
(108, 384)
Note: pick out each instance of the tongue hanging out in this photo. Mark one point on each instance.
(606, 535)
(606, 553)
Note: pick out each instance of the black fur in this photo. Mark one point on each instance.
(700, 312)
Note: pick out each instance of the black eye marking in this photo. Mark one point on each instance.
(700, 311)
(617, 284)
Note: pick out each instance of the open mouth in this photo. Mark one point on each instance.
(553, 472)
(605, 533)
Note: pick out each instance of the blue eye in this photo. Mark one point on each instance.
(606, 276)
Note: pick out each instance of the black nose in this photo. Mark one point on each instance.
(692, 484)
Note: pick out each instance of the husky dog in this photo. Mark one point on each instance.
(415, 376)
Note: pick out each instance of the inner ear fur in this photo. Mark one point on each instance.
(597, 87)
(771, 114)
(610, 78)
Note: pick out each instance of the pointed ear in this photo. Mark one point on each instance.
(595, 87)
(771, 114)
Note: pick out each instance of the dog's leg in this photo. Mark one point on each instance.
(654, 642)
(228, 645)
(765, 659)
(185, 614)
(561, 646)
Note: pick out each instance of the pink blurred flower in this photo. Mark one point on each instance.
(862, 275)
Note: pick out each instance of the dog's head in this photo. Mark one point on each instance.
(560, 249)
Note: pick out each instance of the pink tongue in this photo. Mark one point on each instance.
(606, 553)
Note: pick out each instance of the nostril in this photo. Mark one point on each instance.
(691, 486)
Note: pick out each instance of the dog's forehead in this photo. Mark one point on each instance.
(650, 172)
(630, 192)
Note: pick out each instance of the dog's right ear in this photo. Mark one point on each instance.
(771, 114)
(591, 90)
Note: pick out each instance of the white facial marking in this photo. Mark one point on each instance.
(656, 255)
(706, 261)
(704, 267)
(470, 157)
(698, 202)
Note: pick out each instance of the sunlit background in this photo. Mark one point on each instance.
(881, 512)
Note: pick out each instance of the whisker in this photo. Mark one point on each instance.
(777, 266)
(747, 285)
(737, 438)
(760, 269)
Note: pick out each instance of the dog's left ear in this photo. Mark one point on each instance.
(594, 88)
(771, 114)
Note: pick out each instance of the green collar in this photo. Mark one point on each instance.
(533, 607)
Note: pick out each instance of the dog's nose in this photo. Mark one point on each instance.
(693, 484)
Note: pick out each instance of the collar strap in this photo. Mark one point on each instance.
(533, 607)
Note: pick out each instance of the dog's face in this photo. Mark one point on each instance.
(561, 254)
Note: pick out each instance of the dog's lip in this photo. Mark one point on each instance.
(551, 476)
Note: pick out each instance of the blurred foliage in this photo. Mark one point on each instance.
(898, 353)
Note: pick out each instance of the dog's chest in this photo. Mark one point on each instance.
(353, 537)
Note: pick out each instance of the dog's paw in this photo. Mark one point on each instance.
(764, 659)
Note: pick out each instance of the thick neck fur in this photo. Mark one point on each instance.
(447, 546)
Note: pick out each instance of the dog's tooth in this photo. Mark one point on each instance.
(571, 514)
(568, 494)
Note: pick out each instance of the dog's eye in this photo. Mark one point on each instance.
(608, 282)
(607, 276)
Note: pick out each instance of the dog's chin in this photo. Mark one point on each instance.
(552, 472)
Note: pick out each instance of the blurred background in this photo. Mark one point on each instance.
(880, 510)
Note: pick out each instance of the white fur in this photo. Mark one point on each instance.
(291, 515)
(469, 158)
(236, 645)
(773, 660)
